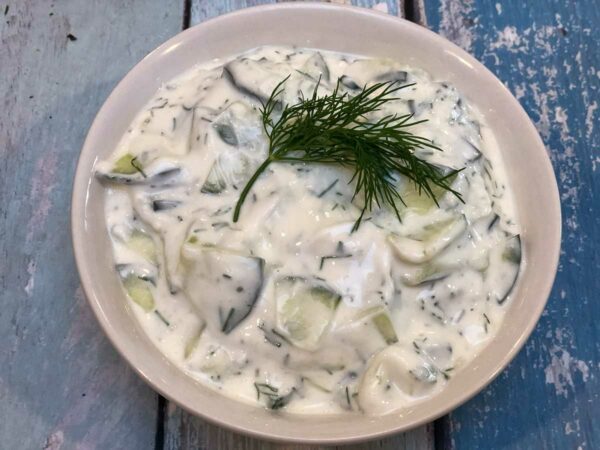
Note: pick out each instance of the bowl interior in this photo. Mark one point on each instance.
(342, 29)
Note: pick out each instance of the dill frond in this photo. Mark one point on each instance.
(336, 129)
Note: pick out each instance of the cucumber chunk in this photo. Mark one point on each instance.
(217, 362)
(222, 284)
(158, 173)
(506, 271)
(394, 372)
(427, 273)
(420, 249)
(381, 319)
(349, 83)
(226, 133)
(230, 169)
(192, 343)
(316, 67)
(395, 76)
(143, 244)
(385, 327)
(232, 73)
(215, 183)
(512, 250)
(138, 289)
(418, 201)
(126, 165)
(305, 309)
(314, 384)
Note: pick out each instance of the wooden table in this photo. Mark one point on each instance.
(62, 385)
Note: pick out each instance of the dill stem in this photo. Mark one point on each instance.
(246, 190)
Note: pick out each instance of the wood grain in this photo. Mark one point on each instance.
(547, 53)
(184, 431)
(61, 383)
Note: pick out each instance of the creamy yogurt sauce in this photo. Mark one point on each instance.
(288, 308)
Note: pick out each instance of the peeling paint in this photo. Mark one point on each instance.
(381, 7)
(456, 23)
(55, 441)
(31, 280)
(541, 101)
(520, 91)
(561, 118)
(564, 369)
(509, 39)
(595, 160)
(561, 370)
(589, 119)
(540, 80)
(571, 428)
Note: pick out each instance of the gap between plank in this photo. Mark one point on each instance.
(409, 11)
(187, 14)
(414, 11)
(159, 439)
(441, 436)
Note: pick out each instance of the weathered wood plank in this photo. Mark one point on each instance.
(547, 52)
(184, 431)
(61, 382)
(202, 10)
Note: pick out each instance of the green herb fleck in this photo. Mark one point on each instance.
(162, 318)
(273, 399)
(325, 258)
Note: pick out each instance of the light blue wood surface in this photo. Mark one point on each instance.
(548, 54)
(62, 385)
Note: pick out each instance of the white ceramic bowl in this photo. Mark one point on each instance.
(344, 29)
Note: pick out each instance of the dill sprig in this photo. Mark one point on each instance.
(336, 129)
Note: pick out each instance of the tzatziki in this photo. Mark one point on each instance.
(292, 307)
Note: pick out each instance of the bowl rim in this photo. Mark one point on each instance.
(78, 207)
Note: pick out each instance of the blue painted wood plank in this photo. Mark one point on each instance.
(62, 385)
(184, 431)
(202, 10)
(548, 53)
